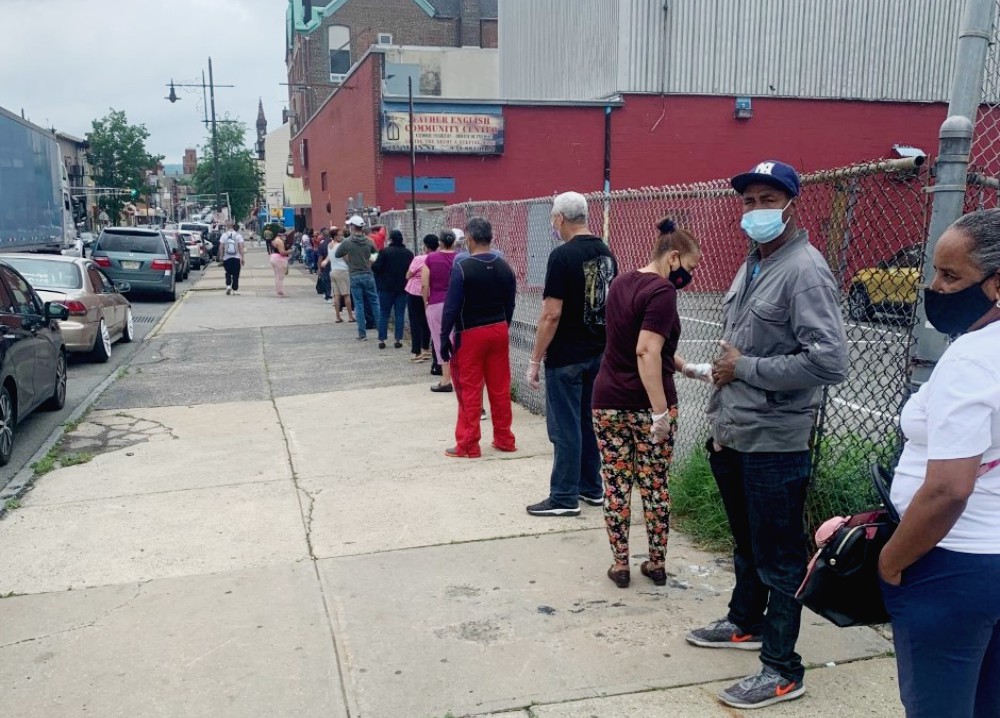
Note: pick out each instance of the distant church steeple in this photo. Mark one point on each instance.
(261, 129)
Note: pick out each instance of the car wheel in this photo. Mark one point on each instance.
(171, 295)
(187, 273)
(102, 344)
(128, 331)
(859, 306)
(7, 420)
(58, 399)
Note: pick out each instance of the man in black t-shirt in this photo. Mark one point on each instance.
(570, 339)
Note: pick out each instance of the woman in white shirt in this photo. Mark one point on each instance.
(941, 569)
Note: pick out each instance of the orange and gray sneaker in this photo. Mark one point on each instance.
(762, 689)
(724, 634)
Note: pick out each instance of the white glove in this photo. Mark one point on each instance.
(702, 372)
(663, 427)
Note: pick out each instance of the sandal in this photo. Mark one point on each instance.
(621, 577)
(656, 575)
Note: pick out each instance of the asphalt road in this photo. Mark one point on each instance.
(84, 376)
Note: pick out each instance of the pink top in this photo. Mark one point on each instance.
(414, 283)
(439, 264)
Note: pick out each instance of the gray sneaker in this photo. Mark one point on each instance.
(724, 634)
(761, 689)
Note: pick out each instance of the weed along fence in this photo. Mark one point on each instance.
(869, 221)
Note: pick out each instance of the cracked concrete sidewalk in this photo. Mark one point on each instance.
(289, 540)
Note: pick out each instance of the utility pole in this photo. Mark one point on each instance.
(212, 122)
(953, 165)
(413, 166)
(215, 141)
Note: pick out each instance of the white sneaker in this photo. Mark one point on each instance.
(228, 291)
(236, 293)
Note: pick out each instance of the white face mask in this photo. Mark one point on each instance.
(765, 225)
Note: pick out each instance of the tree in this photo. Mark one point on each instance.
(239, 174)
(119, 157)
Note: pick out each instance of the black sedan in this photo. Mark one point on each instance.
(32, 355)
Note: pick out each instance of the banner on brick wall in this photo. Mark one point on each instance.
(443, 129)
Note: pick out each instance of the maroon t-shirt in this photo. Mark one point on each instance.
(637, 301)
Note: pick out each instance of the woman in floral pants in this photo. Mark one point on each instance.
(635, 400)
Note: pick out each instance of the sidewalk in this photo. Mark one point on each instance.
(269, 528)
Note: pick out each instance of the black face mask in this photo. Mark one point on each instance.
(679, 277)
(953, 313)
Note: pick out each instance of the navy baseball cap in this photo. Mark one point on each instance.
(769, 172)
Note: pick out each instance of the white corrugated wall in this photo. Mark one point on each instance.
(845, 49)
(558, 49)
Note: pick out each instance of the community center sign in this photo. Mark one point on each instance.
(443, 129)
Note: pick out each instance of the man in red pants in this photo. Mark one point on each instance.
(480, 307)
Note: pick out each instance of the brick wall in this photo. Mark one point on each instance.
(547, 149)
(403, 19)
(342, 142)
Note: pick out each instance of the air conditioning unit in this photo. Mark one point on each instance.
(384, 38)
(337, 78)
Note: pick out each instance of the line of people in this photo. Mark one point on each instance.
(608, 345)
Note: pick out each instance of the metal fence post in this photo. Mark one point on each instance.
(953, 164)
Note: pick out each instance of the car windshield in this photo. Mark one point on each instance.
(137, 243)
(47, 273)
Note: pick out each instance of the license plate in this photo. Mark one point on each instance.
(130, 265)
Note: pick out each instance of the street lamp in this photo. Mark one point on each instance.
(172, 97)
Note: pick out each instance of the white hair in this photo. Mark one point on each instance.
(572, 206)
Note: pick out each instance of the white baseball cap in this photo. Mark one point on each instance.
(459, 235)
(356, 221)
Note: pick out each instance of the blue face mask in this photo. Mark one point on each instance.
(764, 225)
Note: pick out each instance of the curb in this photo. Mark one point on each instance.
(23, 480)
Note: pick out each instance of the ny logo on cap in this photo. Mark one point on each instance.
(764, 168)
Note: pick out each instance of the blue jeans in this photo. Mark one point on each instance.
(576, 468)
(765, 496)
(365, 299)
(946, 627)
(395, 303)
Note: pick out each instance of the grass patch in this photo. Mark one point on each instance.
(841, 486)
(47, 463)
(12, 504)
(696, 506)
(76, 459)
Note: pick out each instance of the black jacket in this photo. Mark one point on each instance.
(390, 268)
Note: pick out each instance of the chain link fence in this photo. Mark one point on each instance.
(868, 220)
(983, 187)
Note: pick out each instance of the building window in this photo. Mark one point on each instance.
(322, 181)
(340, 50)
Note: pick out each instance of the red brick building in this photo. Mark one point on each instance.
(325, 38)
(552, 147)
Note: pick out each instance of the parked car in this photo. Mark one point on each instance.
(196, 246)
(32, 355)
(180, 252)
(98, 313)
(889, 287)
(138, 257)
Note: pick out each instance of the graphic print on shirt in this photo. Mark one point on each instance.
(597, 275)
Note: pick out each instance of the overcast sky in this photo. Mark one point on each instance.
(65, 62)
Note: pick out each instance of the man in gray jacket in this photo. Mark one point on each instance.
(783, 340)
(357, 250)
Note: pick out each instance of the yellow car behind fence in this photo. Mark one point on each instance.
(889, 287)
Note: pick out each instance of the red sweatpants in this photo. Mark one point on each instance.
(482, 357)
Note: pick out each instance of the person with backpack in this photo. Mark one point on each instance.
(231, 252)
